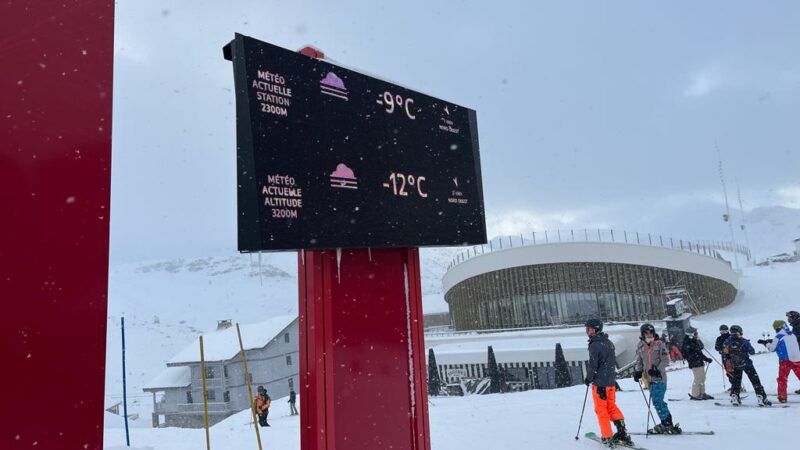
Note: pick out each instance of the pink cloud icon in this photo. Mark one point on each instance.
(332, 80)
(342, 171)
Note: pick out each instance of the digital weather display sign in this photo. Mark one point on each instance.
(332, 158)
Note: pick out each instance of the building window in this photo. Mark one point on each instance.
(288, 360)
(291, 384)
(226, 396)
(189, 397)
(225, 370)
(286, 338)
(209, 372)
(212, 395)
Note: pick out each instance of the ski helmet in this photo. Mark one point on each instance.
(261, 389)
(736, 329)
(724, 328)
(596, 324)
(691, 330)
(647, 327)
(778, 325)
(793, 316)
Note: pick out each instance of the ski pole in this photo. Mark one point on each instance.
(724, 386)
(585, 396)
(649, 412)
(714, 358)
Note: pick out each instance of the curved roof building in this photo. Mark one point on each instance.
(534, 284)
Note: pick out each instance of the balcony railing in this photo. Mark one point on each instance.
(211, 383)
(707, 248)
(213, 407)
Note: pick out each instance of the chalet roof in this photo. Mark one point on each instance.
(224, 345)
(172, 377)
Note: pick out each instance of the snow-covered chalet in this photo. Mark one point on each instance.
(272, 352)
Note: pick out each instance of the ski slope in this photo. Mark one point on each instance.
(549, 418)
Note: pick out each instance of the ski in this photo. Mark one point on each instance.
(689, 433)
(751, 406)
(596, 438)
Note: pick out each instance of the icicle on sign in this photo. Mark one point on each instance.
(332, 158)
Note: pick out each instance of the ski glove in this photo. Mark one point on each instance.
(587, 381)
(654, 373)
(601, 392)
(637, 376)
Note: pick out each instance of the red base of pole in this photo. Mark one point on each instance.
(362, 351)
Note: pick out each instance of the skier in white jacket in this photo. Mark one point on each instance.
(785, 345)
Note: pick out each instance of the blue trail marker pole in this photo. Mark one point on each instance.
(124, 387)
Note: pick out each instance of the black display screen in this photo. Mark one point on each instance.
(332, 158)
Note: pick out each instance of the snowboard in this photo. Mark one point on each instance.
(779, 405)
(596, 438)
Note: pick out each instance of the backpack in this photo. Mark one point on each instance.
(737, 352)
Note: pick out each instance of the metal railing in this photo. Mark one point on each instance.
(199, 408)
(707, 248)
(211, 383)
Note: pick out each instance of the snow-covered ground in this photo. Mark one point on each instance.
(549, 418)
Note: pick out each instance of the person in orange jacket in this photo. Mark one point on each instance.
(261, 404)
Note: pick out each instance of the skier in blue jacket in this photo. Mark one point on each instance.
(736, 353)
(788, 351)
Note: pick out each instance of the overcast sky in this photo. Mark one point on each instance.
(590, 114)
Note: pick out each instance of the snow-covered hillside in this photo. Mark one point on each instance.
(771, 230)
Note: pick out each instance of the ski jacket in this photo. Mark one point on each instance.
(262, 403)
(785, 345)
(796, 329)
(292, 397)
(737, 352)
(652, 356)
(692, 350)
(720, 342)
(602, 370)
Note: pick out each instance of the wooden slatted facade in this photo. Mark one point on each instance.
(569, 293)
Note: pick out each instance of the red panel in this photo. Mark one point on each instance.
(55, 150)
(365, 382)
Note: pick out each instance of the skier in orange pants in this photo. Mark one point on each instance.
(601, 375)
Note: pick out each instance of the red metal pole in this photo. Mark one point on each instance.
(55, 161)
(362, 350)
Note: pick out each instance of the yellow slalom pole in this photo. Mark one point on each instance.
(205, 393)
(249, 386)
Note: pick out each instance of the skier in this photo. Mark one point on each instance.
(736, 353)
(601, 374)
(262, 403)
(675, 353)
(724, 334)
(292, 400)
(788, 351)
(692, 350)
(793, 317)
(652, 358)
